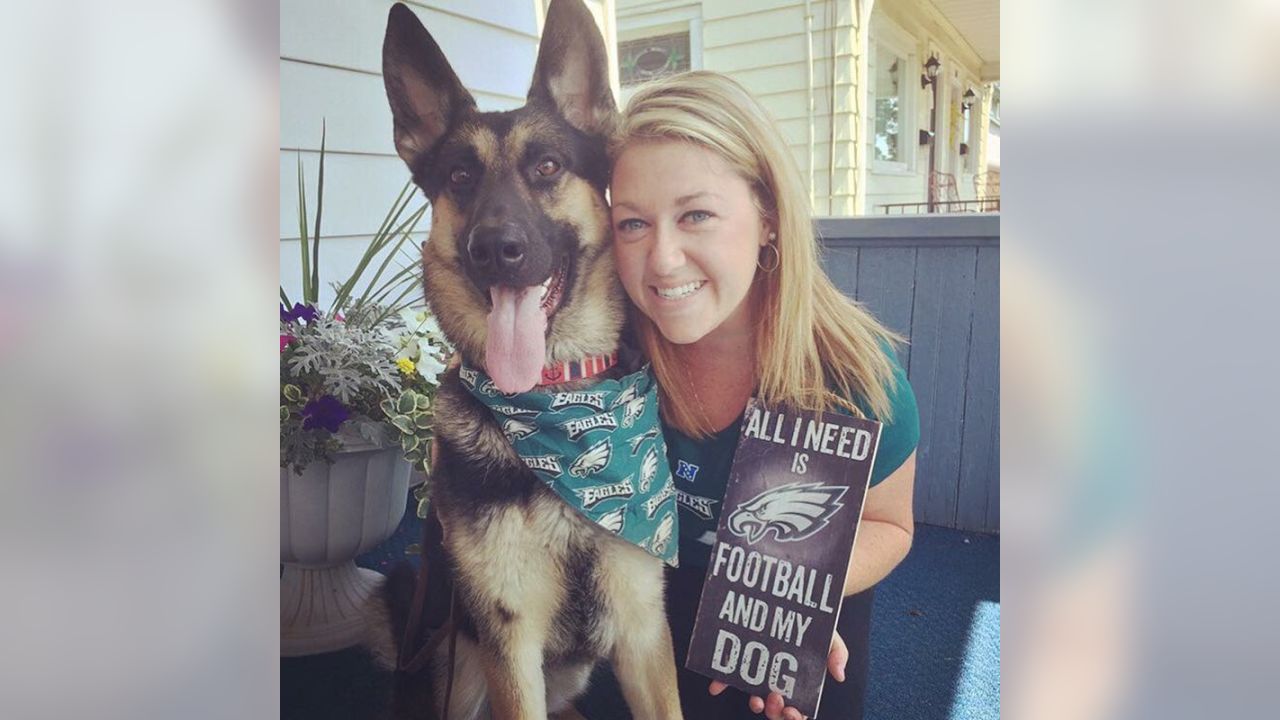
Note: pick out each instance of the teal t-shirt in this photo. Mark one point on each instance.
(701, 467)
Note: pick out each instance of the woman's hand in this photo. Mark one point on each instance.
(774, 707)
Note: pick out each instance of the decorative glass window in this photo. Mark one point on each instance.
(652, 57)
(888, 107)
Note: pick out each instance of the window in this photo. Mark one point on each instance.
(891, 102)
(655, 43)
(652, 57)
(892, 99)
(888, 142)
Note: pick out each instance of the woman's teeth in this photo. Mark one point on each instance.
(682, 291)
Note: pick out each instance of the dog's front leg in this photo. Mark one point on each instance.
(643, 661)
(642, 653)
(513, 668)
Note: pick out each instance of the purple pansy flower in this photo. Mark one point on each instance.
(324, 412)
(299, 312)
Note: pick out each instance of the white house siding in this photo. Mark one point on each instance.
(330, 70)
(764, 45)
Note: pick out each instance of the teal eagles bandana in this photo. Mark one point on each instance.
(601, 450)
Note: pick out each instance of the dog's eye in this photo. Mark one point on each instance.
(548, 167)
(460, 176)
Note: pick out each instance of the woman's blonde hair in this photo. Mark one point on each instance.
(815, 348)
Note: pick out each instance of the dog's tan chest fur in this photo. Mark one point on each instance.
(510, 556)
(517, 558)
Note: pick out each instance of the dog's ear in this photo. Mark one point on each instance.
(573, 70)
(425, 94)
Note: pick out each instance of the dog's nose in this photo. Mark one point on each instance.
(497, 247)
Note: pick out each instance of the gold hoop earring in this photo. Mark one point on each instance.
(777, 258)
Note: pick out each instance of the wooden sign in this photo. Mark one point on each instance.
(776, 576)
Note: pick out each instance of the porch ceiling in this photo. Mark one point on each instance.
(979, 23)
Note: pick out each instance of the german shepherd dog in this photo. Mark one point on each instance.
(519, 272)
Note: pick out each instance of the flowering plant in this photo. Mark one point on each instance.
(363, 373)
(366, 379)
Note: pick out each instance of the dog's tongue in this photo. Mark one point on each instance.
(517, 343)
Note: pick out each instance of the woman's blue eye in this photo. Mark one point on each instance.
(698, 215)
(630, 224)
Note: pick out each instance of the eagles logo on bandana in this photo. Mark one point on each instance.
(639, 441)
(514, 427)
(649, 469)
(600, 450)
(595, 459)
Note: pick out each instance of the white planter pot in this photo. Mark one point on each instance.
(329, 514)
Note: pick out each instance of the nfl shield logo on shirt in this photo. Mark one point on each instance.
(686, 471)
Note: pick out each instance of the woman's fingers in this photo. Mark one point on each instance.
(838, 658)
(773, 706)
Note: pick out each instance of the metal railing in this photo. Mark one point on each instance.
(942, 206)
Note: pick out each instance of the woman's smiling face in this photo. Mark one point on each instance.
(687, 235)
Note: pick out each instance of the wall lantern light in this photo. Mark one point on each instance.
(931, 68)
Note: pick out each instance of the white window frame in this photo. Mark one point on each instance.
(687, 18)
(893, 38)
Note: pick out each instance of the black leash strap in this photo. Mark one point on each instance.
(453, 646)
(412, 661)
(409, 660)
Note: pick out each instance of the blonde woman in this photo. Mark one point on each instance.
(715, 246)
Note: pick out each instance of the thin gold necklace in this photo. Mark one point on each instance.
(708, 426)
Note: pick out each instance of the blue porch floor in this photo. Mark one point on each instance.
(935, 631)
(935, 640)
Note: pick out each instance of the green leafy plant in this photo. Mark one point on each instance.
(357, 380)
(393, 289)
(365, 371)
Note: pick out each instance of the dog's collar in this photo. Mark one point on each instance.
(589, 366)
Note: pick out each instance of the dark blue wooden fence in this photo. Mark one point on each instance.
(936, 280)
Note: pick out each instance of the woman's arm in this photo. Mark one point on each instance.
(884, 536)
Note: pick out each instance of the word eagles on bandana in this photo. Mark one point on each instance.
(601, 450)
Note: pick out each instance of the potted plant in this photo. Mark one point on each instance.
(356, 385)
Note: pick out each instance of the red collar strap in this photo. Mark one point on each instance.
(577, 369)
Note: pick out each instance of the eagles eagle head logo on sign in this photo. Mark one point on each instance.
(793, 512)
